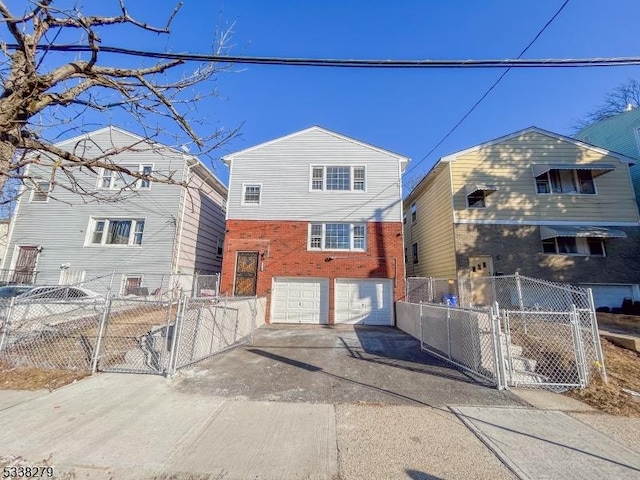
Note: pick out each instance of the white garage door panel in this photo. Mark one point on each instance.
(368, 302)
(300, 300)
(610, 295)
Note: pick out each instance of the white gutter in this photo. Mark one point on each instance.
(184, 207)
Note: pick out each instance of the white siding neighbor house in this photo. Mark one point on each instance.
(152, 228)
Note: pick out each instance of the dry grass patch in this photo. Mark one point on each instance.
(627, 323)
(31, 378)
(623, 370)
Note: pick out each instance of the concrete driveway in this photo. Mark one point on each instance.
(337, 364)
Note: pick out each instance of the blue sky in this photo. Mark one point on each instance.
(406, 111)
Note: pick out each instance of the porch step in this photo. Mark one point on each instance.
(527, 378)
(524, 364)
(515, 350)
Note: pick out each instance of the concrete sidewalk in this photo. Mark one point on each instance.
(139, 427)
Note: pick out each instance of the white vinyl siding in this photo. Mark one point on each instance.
(293, 165)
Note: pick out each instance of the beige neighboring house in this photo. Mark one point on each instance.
(533, 202)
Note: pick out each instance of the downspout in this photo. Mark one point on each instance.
(181, 219)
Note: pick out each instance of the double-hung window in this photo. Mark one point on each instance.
(116, 231)
(40, 192)
(337, 236)
(251, 194)
(338, 178)
(116, 180)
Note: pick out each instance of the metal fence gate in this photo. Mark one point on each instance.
(533, 333)
(123, 334)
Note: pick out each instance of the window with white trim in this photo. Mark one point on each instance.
(414, 212)
(337, 236)
(116, 231)
(115, 180)
(251, 194)
(576, 181)
(338, 178)
(589, 246)
(40, 192)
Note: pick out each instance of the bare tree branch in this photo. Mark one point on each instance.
(621, 98)
(41, 89)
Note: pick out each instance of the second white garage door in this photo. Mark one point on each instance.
(368, 302)
(300, 300)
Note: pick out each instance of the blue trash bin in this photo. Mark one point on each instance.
(450, 300)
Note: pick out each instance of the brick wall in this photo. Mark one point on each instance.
(283, 249)
(516, 248)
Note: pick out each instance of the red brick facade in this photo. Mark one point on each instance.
(283, 253)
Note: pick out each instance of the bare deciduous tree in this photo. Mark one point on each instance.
(615, 102)
(43, 89)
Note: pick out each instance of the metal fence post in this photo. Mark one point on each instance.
(448, 332)
(596, 335)
(579, 346)
(6, 323)
(421, 327)
(101, 327)
(496, 338)
(177, 331)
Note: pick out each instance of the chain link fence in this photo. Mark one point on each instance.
(512, 330)
(73, 327)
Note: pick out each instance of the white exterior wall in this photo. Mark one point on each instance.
(283, 168)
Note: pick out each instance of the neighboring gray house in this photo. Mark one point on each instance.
(155, 229)
(620, 133)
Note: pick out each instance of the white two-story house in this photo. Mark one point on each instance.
(140, 229)
(314, 223)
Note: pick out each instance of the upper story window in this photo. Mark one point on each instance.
(116, 231)
(251, 194)
(40, 192)
(337, 236)
(114, 180)
(569, 179)
(341, 178)
(220, 246)
(414, 212)
(477, 194)
(414, 252)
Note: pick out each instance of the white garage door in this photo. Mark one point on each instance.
(368, 302)
(300, 300)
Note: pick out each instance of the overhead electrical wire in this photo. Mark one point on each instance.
(487, 92)
(350, 63)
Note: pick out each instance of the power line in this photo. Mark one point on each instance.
(354, 63)
(488, 91)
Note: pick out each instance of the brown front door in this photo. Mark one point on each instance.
(25, 265)
(246, 274)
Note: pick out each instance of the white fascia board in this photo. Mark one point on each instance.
(228, 158)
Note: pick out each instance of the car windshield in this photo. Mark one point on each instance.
(8, 292)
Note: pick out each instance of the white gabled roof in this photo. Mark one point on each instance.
(192, 160)
(228, 158)
(453, 156)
